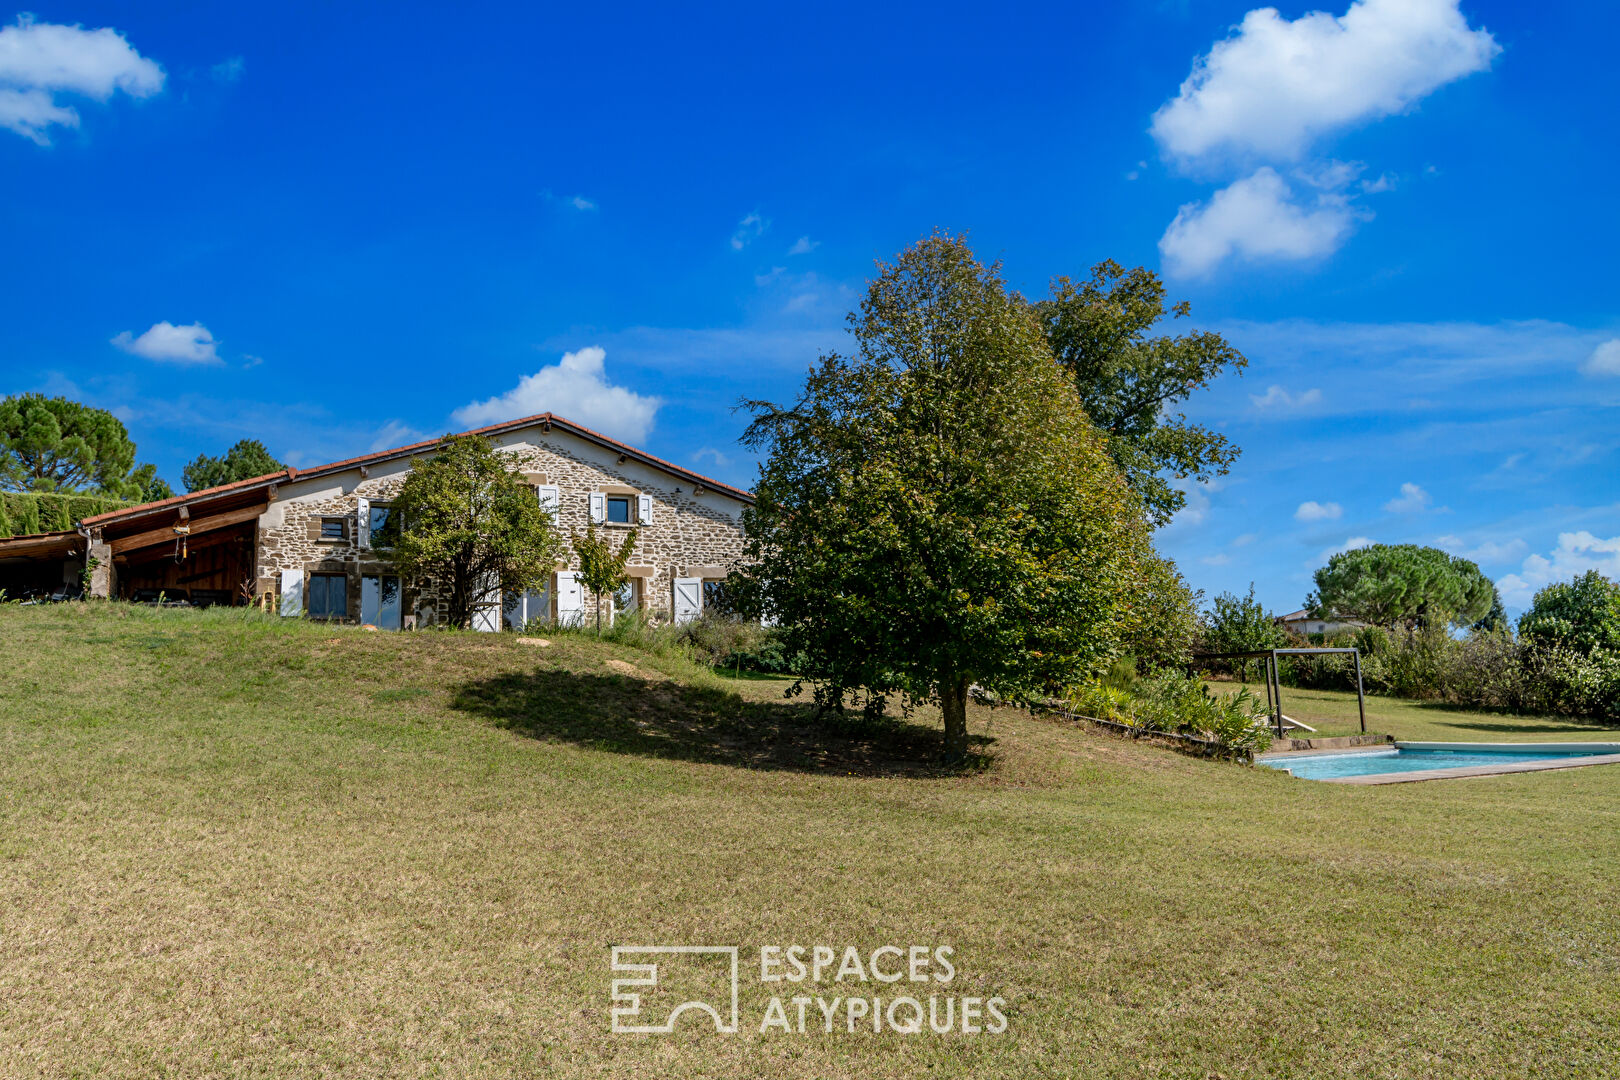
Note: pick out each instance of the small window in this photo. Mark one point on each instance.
(618, 509)
(714, 596)
(624, 598)
(328, 596)
(334, 528)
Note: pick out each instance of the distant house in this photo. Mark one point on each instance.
(1303, 623)
(306, 541)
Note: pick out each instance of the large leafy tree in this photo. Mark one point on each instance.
(937, 511)
(1583, 615)
(1105, 331)
(473, 527)
(1402, 585)
(247, 459)
(58, 445)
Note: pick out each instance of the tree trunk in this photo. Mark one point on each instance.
(953, 693)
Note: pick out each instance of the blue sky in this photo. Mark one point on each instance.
(340, 227)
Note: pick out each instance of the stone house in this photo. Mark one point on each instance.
(306, 541)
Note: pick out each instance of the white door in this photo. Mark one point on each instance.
(688, 598)
(570, 599)
(292, 592)
(487, 615)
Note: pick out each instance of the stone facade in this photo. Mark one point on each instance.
(695, 531)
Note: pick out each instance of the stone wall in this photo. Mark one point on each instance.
(691, 535)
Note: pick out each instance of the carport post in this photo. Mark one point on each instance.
(1361, 699)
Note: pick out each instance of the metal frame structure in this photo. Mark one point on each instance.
(1274, 682)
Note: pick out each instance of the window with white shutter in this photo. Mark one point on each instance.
(598, 508)
(550, 499)
(362, 522)
(644, 509)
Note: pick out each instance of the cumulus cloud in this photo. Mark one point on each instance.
(749, 229)
(1311, 510)
(1256, 218)
(39, 61)
(1276, 397)
(1605, 359)
(1411, 500)
(577, 388)
(1275, 86)
(172, 344)
(1576, 553)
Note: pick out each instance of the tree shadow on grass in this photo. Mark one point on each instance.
(664, 719)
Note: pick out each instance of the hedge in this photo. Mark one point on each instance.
(24, 512)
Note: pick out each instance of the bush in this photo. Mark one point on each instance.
(718, 640)
(1180, 704)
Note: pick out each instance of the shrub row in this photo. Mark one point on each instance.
(1485, 670)
(24, 512)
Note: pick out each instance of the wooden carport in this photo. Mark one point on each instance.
(203, 545)
(39, 562)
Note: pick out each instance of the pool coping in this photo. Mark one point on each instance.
(1466, 772)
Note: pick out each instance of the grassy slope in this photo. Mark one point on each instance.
(233, 848)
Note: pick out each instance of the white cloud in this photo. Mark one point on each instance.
(720, 460)
(1245, 540)
(1312, 510)
(1352, 544)
(395, 433)
(1255, 218)
(1605, 359)
(1576, 553)
(40, 60)
(172, 344)
(1487, 552)
(580, 202)
(229, 71)
(1196, 508)
(1276, 397)
(1411, 500)
(574, 388)
(803, 246)
(1274, 87)
(749, 229)
(1218, 559)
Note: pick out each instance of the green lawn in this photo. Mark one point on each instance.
(1333, 712)
(239, 847)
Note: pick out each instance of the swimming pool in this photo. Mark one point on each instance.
(1466, 758)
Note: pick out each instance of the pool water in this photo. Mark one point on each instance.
(1371, 762)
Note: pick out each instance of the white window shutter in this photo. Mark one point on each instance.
(362, 522)
(570, 599)
(644, 509)
(292, 592)
(550, 496)
(688, 599)
(598, 508)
